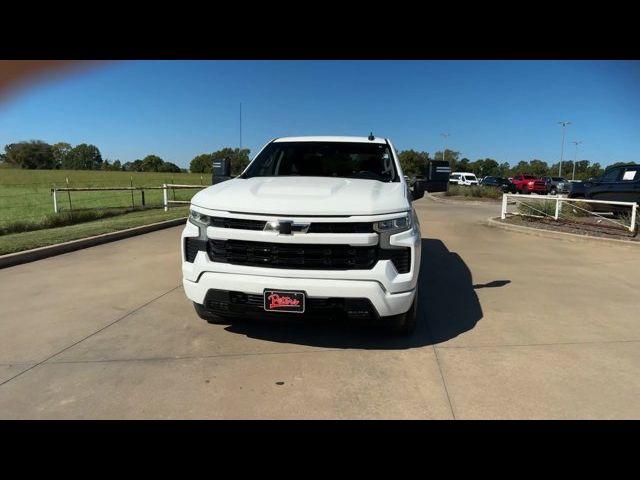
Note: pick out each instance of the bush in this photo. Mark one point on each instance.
(477, 192)
(532, 207)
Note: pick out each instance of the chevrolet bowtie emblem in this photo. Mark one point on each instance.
(286, 227)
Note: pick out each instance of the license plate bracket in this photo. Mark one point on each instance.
(289, 301)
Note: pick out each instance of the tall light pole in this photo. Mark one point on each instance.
(240, 125)
(444, 152)
(564, 124)
(575, 158)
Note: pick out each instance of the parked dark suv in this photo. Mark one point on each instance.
(618, 184)
(498, 182)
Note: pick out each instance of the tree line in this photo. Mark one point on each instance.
(413, 162)
(36, 154)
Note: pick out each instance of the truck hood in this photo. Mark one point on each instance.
(304, 196)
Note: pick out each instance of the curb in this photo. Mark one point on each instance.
(460, 202)
(40, 253)
(571, 237)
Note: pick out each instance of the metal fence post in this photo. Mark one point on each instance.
(555, 217)
(634, 209)
(503, 214)
(164, 194)
(69, 194)
(55, 200)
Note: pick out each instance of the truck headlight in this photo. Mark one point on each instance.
(199, 219)
(393, 225)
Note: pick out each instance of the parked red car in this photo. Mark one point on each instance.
(529, 183)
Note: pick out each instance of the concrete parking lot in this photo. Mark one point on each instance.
(512, 326)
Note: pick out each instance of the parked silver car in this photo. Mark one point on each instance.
(556, 185)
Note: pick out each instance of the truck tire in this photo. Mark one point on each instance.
(205, 314)
(405, 324)
(553, 191)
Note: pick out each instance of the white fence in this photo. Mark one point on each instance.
(165, 193)
(559, 201)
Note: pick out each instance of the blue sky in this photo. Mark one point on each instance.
(506, 110)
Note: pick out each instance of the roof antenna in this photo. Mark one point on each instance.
(371, 137)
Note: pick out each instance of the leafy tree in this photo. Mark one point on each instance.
(60, 152)
(135, 166)
(83, 157)
(201, 163)
(413, 163)
(169, 167)
(111, 167)
(521, 167)
(504, 169)
(463, 165)
(33, 154)
(484, 168)
(594, 170)
(151, 163)
(204, 163)
(239, 158)
(539, 168)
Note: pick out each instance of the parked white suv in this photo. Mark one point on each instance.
(463, 178)
(314, 226)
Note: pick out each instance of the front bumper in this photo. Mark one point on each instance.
(384, 302)
(390, 292)
(534, 188)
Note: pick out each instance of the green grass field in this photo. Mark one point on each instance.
(18, 242)
(25, 195)
(26, 204)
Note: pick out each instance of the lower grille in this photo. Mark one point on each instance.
(225, 302)
(286, 255)
(191, 247)
(400, 257)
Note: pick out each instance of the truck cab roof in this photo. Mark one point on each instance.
(345, 139)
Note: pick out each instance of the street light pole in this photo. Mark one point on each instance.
(444, 152)
(575, 158)
(564, 124)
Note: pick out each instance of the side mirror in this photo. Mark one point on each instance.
(418, 190)
(221, 170)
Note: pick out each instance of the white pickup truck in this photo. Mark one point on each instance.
(314, 227)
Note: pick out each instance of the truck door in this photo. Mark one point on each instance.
(607, 186)
(629, 184)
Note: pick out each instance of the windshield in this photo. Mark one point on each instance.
(371, 161)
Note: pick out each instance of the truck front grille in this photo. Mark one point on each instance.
(238, 223)
(287, 255)
(314, 227)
